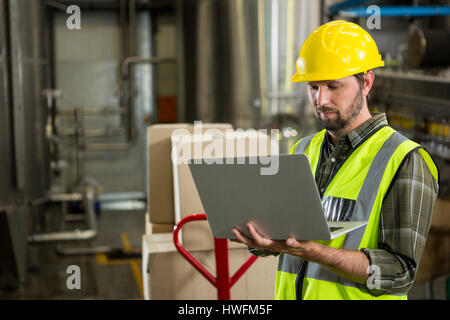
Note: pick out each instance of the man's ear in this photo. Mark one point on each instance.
(369, 78)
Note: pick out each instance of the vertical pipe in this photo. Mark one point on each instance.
(241, 110)
(289, 50)
(89, 205)
(132, 50)
(274, 56)
(17, 99)
(132, 26)
(79, 143)
(262, 57)
(122, 22)
(180, 56)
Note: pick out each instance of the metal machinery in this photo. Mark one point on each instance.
(27, 129)
(24, 161)
(34, 205)
(235, 61)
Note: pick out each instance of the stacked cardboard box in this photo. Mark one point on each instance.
(160, 177)
(172, 196)
(435, 260)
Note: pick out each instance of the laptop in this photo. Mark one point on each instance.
(233, 191)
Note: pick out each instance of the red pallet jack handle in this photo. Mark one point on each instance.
(222, 281)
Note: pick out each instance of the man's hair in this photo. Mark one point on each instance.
(360, 78)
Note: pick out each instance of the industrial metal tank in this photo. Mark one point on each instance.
(235, 60)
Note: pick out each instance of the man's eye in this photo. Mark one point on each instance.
(333, 87)
(314, 88)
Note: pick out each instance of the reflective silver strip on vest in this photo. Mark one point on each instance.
(289, 263)
(303, 144)
(338, 209)
(316, 271)
(368, 193)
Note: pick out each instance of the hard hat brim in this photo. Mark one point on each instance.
(324, 77)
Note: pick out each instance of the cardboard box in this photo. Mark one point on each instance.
(160, 180)
(168, 276)
(160, 185)
(441, 214)
(435, 260)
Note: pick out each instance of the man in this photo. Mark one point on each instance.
(364, 170)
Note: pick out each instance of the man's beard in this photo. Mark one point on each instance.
(341, 123)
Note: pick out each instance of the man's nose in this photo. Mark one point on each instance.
(322, 96)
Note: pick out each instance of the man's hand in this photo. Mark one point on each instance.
(290, 245)
(353, 265)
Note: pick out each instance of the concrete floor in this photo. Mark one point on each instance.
(101, 277)
(112, 277)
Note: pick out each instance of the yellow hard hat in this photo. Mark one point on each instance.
(335, 50)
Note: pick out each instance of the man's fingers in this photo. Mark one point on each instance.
(258, 239)
(241, 238)
(291, 242)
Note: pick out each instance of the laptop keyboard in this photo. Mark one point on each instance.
(332, 229)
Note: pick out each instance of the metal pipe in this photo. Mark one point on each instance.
(333, 9)
(126, 49)
(66, 197)
(124, 52)
(94, 132)
(262, 58)
(132, 26)
(417, 102)
(79, 143)
(399, 11)
(128, 74)
(411, 76)
(83, 251)
(93, 111)
(56, 5)
(134, 60)
(76, 235)
(89, 200)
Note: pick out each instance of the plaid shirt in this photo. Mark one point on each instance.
(405, 214)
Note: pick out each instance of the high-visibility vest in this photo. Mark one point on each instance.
(358, 188)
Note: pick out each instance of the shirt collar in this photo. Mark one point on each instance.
(355, 136)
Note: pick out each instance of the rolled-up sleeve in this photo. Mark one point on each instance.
(404, 224)
(262, 253)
